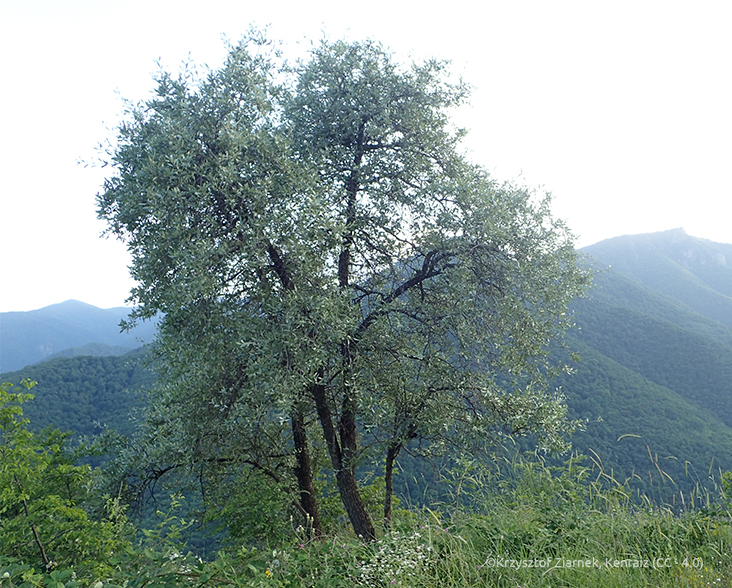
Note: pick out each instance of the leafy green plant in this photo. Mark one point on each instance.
(43, 495)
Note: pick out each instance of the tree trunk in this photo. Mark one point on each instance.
(354, 505)
(304, 473)
(303, 467)
(342, 444)
(37, 539)
(391, 455)
(344, 470)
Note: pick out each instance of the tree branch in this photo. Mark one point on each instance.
(429, 269)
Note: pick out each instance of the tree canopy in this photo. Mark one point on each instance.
(332, 271)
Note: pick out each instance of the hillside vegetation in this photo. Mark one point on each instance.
(655, 379)
(524, 525)
(85, 394)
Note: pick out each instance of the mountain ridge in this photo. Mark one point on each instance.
(695, 271)
(656, 348)
(27, 337)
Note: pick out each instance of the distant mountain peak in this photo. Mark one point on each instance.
(695, 271)
(679, 231)
(644, 238)
(71, 303)
(31, 336)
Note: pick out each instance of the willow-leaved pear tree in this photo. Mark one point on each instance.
(321, 250)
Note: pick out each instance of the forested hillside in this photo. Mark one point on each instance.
(83, 394)
(655, 380)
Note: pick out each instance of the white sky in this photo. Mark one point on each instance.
(622, 109)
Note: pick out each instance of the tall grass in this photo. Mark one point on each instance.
(517, 524)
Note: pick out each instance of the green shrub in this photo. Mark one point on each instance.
(44, 522)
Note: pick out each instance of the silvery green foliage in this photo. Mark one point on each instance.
(319, 246)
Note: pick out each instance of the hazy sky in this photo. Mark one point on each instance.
(623, 109)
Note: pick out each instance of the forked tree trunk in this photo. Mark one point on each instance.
(344, 468)
(342, 444)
